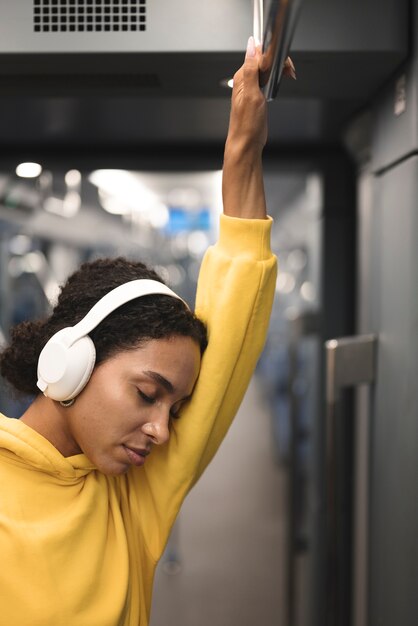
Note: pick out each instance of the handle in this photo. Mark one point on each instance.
(274, 22)
(350, 361)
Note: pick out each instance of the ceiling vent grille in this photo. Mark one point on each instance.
(53, 16)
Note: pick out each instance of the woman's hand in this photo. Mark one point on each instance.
(242, 182)
(248, 119)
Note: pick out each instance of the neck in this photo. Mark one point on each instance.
(48, 418)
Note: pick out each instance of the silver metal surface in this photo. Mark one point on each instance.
(185, 26)
(350, 361)
(275, 20)
(258, 21)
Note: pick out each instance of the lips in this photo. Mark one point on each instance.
(136, 456)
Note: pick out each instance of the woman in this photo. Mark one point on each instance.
(91, 479)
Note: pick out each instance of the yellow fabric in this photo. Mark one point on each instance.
(78, 548)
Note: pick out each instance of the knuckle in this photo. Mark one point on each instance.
(256, 98)
(238, 74)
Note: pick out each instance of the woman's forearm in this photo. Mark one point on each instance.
(242, 182)
(243, 185)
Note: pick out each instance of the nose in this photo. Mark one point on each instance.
(157, 429)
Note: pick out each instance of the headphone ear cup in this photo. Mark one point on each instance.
(64, 371)
(83, 359)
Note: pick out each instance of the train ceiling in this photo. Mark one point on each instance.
(101, 93)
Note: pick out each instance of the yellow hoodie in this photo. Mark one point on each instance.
(78, 548)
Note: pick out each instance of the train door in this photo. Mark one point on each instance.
(390, 244)
(394, 435)
(386, 507)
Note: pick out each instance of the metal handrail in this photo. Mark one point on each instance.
(350, 361)
(274, 23)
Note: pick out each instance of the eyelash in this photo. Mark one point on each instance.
(150, 400)
(146, 398)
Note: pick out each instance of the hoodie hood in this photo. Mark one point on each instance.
(20, 444)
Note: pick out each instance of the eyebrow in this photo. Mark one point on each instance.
(161, 380)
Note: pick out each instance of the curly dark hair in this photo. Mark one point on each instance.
(127, 327)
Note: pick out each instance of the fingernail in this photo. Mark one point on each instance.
(251, 47)
(289, 60)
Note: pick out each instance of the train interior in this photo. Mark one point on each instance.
(112, 144)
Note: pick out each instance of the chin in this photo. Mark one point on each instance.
(114, 468)
(118, 470)
(115, 473)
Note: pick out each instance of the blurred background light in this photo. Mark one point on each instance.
(112, 204)
(28, 170)
(126, 188)
(197, 242)
(53, 205)
(71, 204)
(73, 178)
(159, 215)
(308, 291)
(297, 260)
(285, 283)
(20, 244)
(227, 82)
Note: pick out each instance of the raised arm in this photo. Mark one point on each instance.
(242, 182)
(234, 297)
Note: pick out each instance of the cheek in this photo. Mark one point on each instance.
(102, 389)
(99, 407)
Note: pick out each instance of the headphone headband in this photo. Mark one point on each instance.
(114, 299)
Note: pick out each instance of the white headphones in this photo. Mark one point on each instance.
(67, 360)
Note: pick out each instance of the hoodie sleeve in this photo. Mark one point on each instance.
(234, 298)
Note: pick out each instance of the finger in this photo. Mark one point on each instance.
(251, 63)
(289, 68)
(251, 49)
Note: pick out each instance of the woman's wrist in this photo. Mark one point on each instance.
(243, 188)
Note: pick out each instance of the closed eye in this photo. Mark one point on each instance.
(175, 410)
(146, 398)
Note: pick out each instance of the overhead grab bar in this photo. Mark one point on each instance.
(274, 23)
